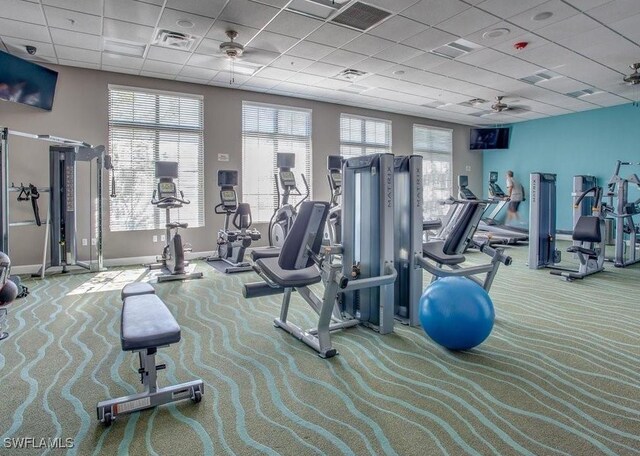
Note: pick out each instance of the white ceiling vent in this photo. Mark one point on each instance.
(581, 93)
(350, 74)
(456, 49)
(361, 16)
(174, 40)
(540, 77)
(355, 88)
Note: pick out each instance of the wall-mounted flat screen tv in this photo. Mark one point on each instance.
(25, 82)
(489, 138)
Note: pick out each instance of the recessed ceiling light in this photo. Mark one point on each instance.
(184, 23)
(495, 33)
(398, 72)
(542, 16)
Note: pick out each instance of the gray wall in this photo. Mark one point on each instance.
(80, 112)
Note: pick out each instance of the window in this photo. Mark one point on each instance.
(146, 126)
(267, 130)
(436, 146)
(364, 135)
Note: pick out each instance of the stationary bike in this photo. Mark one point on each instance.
(172, 260)
(285, 214)
(333, 228)
(233, 243)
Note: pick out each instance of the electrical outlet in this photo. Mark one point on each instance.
(468, 168)
(155, 238)
(84, 242)
(162, 237)
(223, 157)
(94, 241)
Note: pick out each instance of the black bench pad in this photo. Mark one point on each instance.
(265, 252)
(434, 251)
(288, 278)
(584, 251)
(135, 289)
(147, 323)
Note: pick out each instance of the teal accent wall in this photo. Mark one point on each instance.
(587, 143)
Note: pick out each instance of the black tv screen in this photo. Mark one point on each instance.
(24, 82)
(489, 138)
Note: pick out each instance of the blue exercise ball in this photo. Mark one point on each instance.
(456, 313)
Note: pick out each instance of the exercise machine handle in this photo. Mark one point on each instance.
(496, 254)
(307, 193)
(34, 195)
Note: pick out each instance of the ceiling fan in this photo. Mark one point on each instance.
(235, 52)
(633, 78)
(501, 106)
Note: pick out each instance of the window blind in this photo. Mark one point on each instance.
(266, 131)
(146, 126)
(435, 145)
(364, 135)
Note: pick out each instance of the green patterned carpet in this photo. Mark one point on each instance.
(558, 375)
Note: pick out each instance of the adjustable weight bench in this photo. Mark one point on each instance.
(147, 324)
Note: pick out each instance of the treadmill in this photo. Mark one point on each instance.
(488, 228)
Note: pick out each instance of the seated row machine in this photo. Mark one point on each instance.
(147, 324)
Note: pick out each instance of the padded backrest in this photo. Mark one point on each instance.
(307, 231)
(461, 229)
(587, 229)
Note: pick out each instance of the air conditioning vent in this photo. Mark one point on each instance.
(580, 93)
(540, 77)
(355, 88)
(350, 74)
(456, 49)
(361, 16)
(174, 40)
(474, 102)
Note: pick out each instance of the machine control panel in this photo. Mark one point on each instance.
(167, 190)
(336, 178)
(288, 179)
(228, 198)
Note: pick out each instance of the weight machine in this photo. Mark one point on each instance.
(624, 211)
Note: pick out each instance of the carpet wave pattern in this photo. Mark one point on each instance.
(559, 374)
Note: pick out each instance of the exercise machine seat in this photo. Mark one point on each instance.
(288, 278)
(434, 250)
(147, 323)
(265, 252)
(587, 229)
(135, 289)
(583, 250)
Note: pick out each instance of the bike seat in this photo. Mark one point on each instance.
(173, 225)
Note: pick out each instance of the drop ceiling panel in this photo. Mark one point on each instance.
(513, 67)
(304, 78)
(533, 41)
(399, 53)
(454, 69)
(483, 38)
(615, 11)
(425, 61)
(115, 69)
(395, 6)
(223, 78)
(344, 58)
(575, 25)
(23, 30)
(127, 31)
(19, 10)
(170, 18)
(430, 39)
(432, 12)
(168, 55)
(398, 28)
(309, 50)
(208, 46)
(508, 8)
(219, 29)
(469, 21)
(629, 27)
(153, 74)
(248, 13)
(374, 65)
(132, 11)
(585, 5)
(75, 39)
(262, 83)
(17, 46)
(559, 9)
(197, 72)
(482, 57)
(273, 42)
(161, 67)
(289, 62)
(79, 64)
(191, 80)
(323, 69)
(332, 83)
(259, 56)
(332, 35)
(549, 55)
(208, 61)
(81, 55)
(368, 44)
(84, 6)
(122, 61)
(210, 8)
(74, 21)
(292, 24)
(276, 73)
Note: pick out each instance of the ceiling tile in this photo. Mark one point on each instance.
(425, 61)
(399, 53)
(273, 42)
(559, 9)
(80, 55)
(430, 39)
(395, 6)
(208, 61)
(16, 46)
(169, 21)
(454, 69)
(168, 55)
(510, 31)
(161, 67)
(368, 44)
(304, 78)
(24, 30)
(335, 84)
(132, 11)
(127, 31)
(615, 11)
(467, 22)
(197, 72)
(508, 8)
(259, 56)
(19, 10)
(219, 29)
(276, 73)
(373, 65)
(115, 69)
(398, 28)
(289, 62)
(432, 12)
(533, 41)
(83, 6)
(332, 35)
(580, 23)
(585, 5)
(262, 83)
(481, 57)
(292, 24)
(513, 67)
(79, 64)
(309, 50)
(344, 58)
(192, 80)
(208, 47)
(228, 80)
(563, 85)
(248, 13)
(210, 8)
(323, 69)
(153, 74)
(74, 21)
(629, 27)
(115, 60)
(75, 39)
(605, 99)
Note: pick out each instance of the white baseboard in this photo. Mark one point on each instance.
(111, 262)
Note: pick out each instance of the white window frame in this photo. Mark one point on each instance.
(363, 145)
(196, 209)
(426, 154)
(293, 199)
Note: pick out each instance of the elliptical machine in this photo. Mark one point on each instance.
(285, 214)
(172, 260)
(333, 228)
(233, 243)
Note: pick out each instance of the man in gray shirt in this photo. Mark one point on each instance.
(515, 195)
